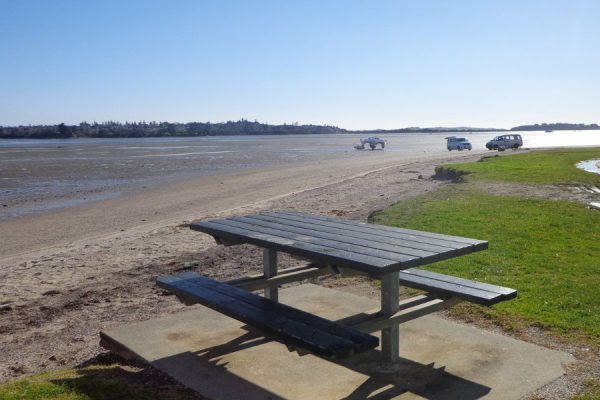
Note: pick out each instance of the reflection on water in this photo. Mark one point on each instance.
(561, 139)
(36, 173)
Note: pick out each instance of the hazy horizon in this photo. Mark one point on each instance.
(352, 64)
(449, 128)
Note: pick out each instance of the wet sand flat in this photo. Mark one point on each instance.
(42, 175)
(184, 199)
(36, 176)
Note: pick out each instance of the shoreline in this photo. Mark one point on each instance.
(184, 199)
(61, 176)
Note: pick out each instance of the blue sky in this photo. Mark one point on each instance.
(354, 64)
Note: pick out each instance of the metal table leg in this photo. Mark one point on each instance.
(390, 349)
(269, 270)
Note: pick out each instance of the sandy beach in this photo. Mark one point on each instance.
(67, 274)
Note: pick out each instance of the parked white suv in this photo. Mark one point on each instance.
(458, 143)
(505, 142)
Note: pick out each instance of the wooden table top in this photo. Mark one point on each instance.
(370, 248)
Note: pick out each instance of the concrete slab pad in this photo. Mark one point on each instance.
(222, 358)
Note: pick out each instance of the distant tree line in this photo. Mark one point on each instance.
(558, 126)
(113, 129)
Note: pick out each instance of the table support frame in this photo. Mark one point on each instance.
(270, 270)
(390, 337)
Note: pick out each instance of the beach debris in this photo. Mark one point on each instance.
(17, 369)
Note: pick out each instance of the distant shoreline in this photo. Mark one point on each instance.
(194, 129)
(112, 129)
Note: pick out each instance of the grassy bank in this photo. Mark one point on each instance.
(546, 249)
(538, 167)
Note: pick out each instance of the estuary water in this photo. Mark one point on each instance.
(38, 175)
(590, 166)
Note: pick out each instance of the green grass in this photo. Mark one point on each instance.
(539, 167)
(90, 383)
(591, 391)
(548, 250)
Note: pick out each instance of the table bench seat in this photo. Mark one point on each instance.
(450, 286)
(290, 325)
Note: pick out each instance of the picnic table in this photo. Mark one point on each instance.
(335, 246)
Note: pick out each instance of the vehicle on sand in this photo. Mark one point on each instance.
(504, 142)
(373, 141)
(458, 143)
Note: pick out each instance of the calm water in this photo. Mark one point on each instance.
(41, 174)
(590, 166)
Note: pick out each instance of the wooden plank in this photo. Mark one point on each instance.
(397, 261)
(392, 229)
(311, 251)
(443, 254)
(294, 326)
(501, 290)
(268, 321)
(242, 296)
(396, 230)
(467, 291)
(367, 229)
(347, 236)
(387, 257)
(445, 289)
(375, 262)
(343, 240)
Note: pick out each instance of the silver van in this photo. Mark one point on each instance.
(502, 142)
(458, 143)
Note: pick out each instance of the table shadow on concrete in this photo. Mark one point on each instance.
(222, 358)
(423, 380)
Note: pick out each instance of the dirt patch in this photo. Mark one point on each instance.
(551, 192)
(452, 174)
